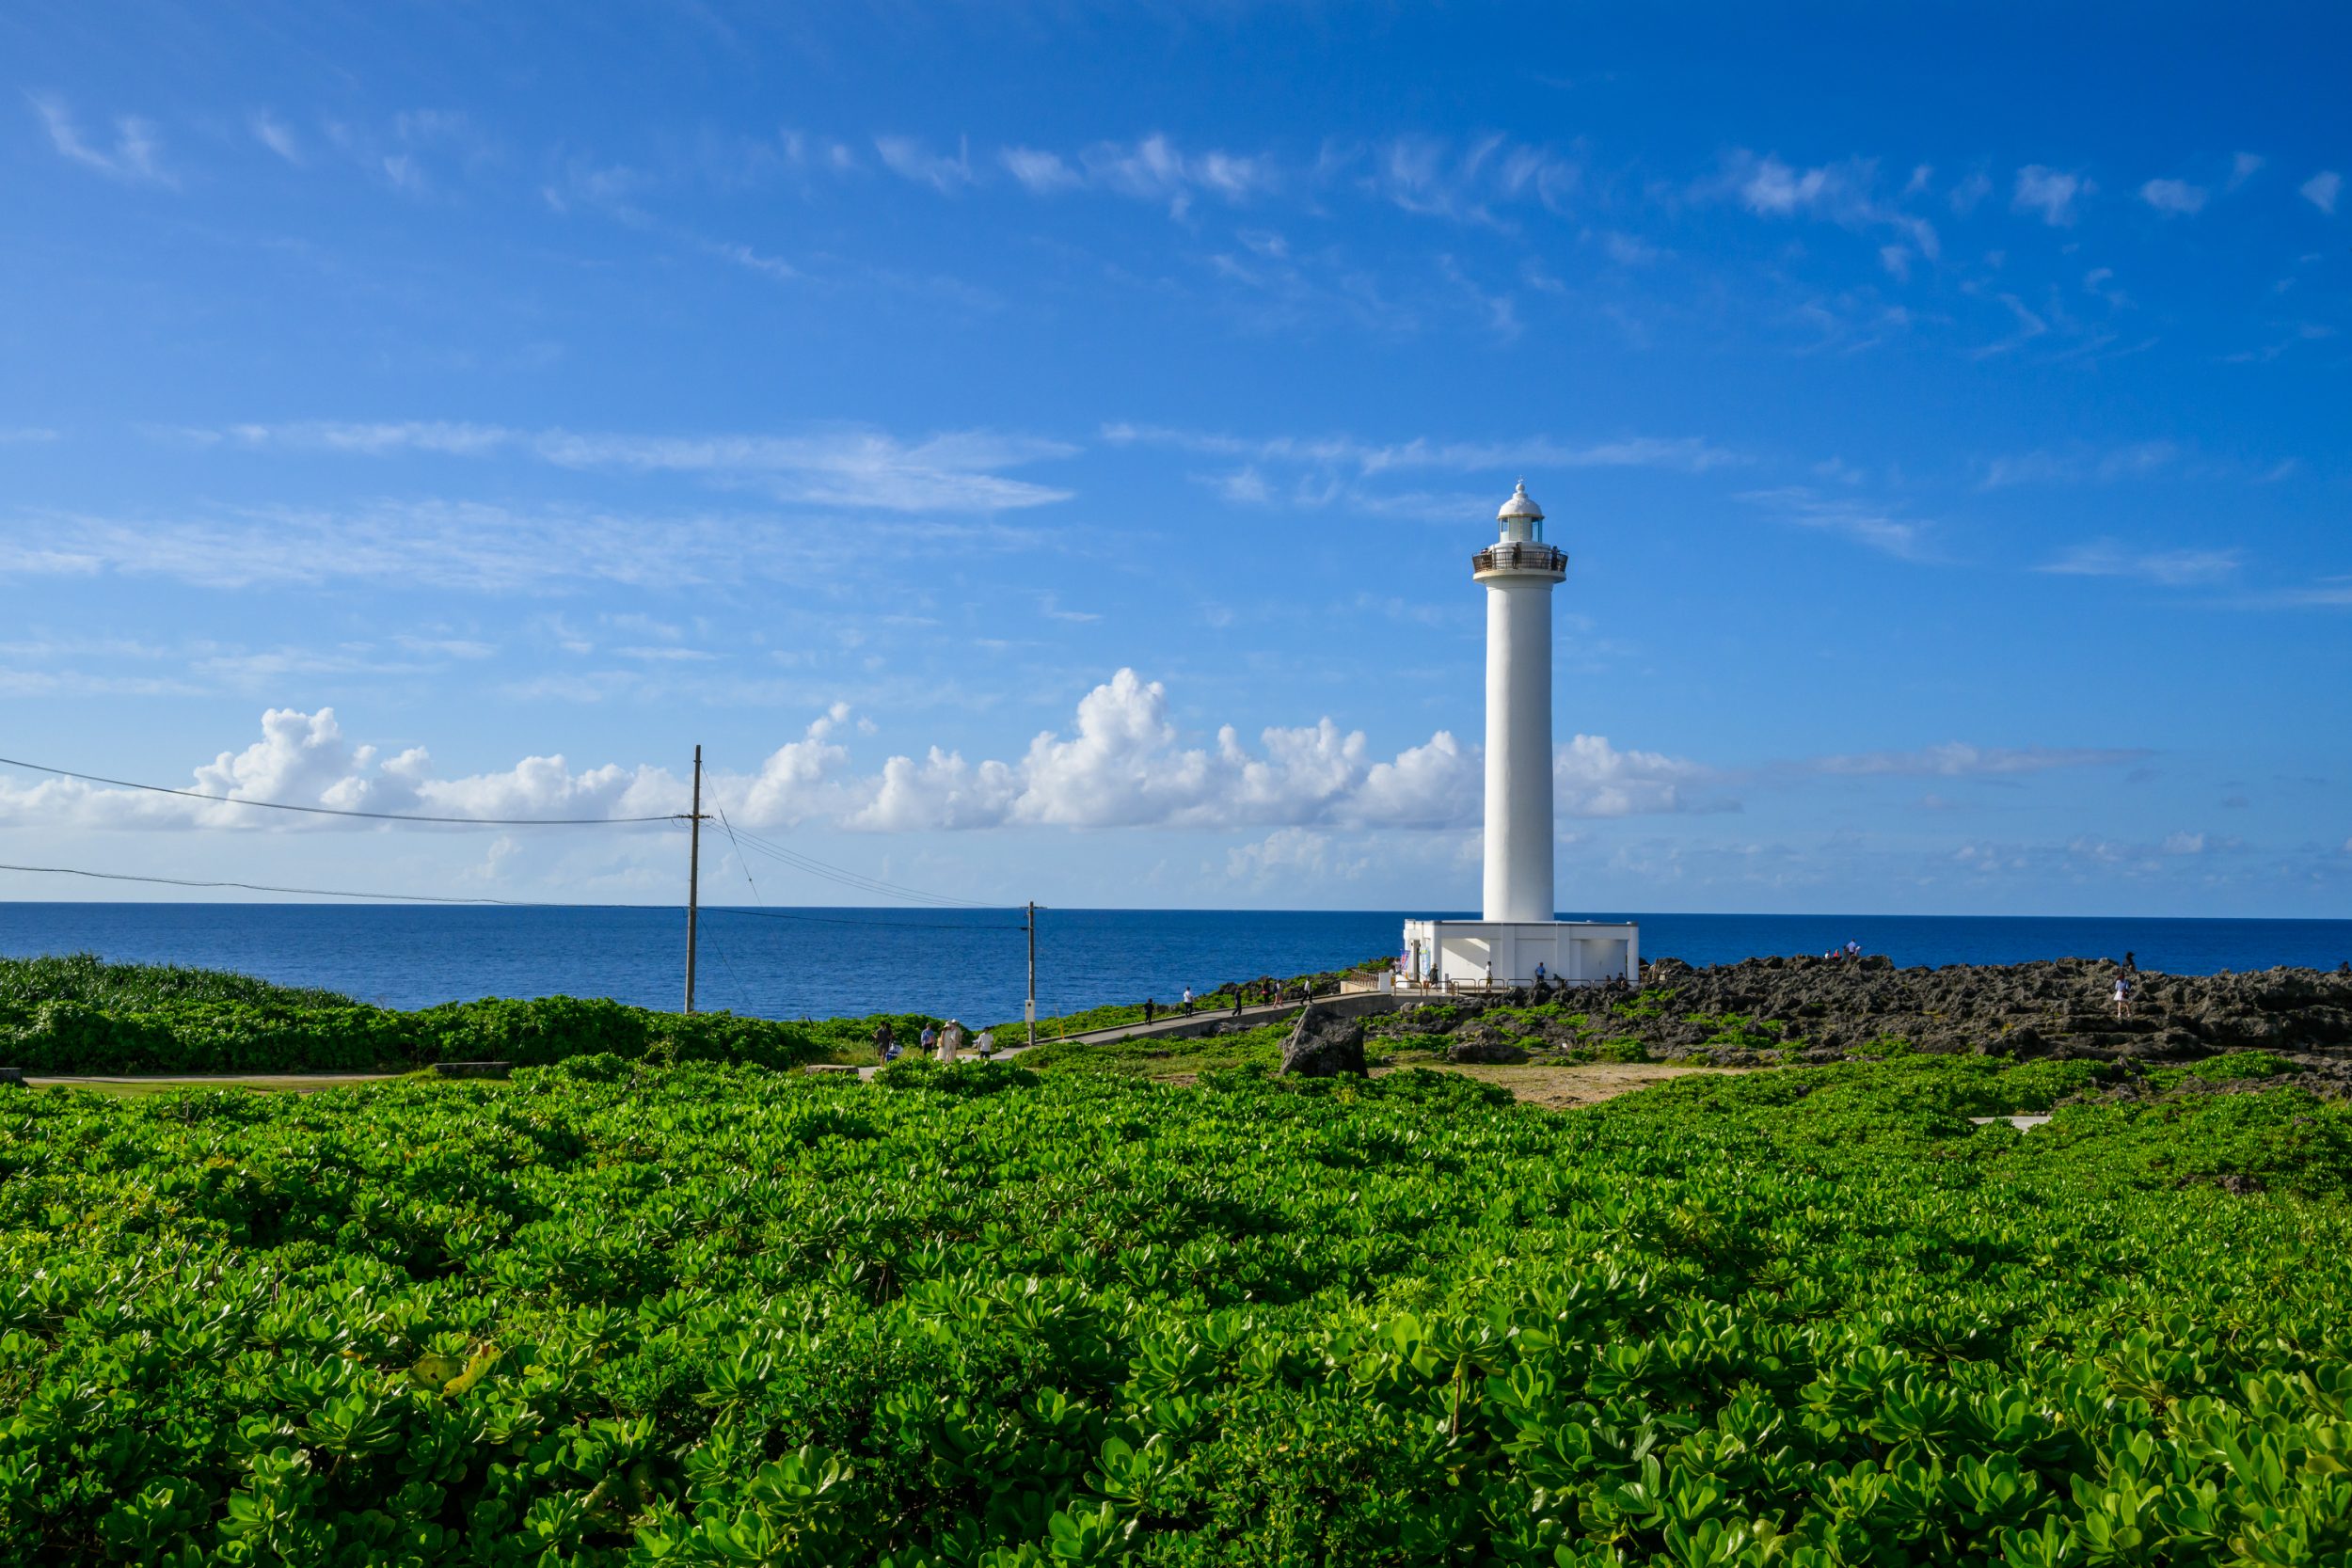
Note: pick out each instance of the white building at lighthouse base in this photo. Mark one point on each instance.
(1470, 954)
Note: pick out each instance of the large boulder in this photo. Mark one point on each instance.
(1324, 1045)
(1484, 1048)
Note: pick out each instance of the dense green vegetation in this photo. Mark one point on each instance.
(86, 979)
(617, 1312)
(78, 1015)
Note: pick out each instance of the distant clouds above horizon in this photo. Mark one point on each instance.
(1039, 455)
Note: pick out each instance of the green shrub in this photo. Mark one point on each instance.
(618, 1313)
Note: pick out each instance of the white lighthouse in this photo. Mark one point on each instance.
(1518, 573)
(1518, 938)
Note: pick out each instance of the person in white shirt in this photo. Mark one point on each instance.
(1188, 1000)
(986, 1044)
(950, 1040)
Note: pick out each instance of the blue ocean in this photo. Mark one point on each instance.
(971, 964)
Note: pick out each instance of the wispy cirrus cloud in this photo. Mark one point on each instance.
(134, 158)
(1845, 193)
(2080, 465)
(1867, 523)
(2108, 558)
(1684, 454)
(2322, 189)
(953, 471)
(1958, 760)
(465, 547)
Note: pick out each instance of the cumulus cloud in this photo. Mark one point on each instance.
(1122, 763)
(134, 158)
(2322, 189)
(2050, 192)
(2173, 198)
(305, 759)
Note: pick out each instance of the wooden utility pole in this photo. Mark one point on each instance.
(1032, 1008)
(693, 876)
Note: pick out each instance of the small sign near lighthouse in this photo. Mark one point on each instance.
(1519, 938)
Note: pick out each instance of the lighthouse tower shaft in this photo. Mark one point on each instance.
(1518, 573)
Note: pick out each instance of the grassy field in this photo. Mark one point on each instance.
(620, 1312)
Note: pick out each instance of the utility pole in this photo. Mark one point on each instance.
(1032, 1008)
(693, 876)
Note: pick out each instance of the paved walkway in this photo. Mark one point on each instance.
(1167, 1024)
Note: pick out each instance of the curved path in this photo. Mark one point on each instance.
(1175, 1026)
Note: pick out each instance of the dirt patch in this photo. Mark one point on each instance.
(290, 1083)
(1564, 1086)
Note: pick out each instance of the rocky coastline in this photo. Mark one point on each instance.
(1811, 1009)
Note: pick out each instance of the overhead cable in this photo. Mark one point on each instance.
(853, 878)
(336, 811)
(313, 892)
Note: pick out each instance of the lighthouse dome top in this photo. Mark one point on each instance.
(1523, 520)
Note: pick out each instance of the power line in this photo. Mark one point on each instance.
(857, 880)
(335, 811)
(315, 892)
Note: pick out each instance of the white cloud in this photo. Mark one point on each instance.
(1428, 177)
(2173, 198)
(461, 546)
(2184, 843)
(1041, 172)
(1685, 454)
(1155, 169)
(133, 159)
(304, 759)
(1968, 192)
(2049, 192)
(2107, 558)
(2321, 190)
(2244, 167)
(1956, 760)
(2079, 465)
(277, 136)
(1842, 193)
(26, 435)
(909, 159)
(1875, 527)
(850, 466)
(1591, 778)
(1292, 852)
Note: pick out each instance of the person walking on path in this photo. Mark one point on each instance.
(1150, 1007)
(885, 1044)
(986, 1044)
(930, 1039)
(1237, 1000)
(951, 1039)
(1188, 1000)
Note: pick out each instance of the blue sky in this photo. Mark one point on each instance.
(1036, 450)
